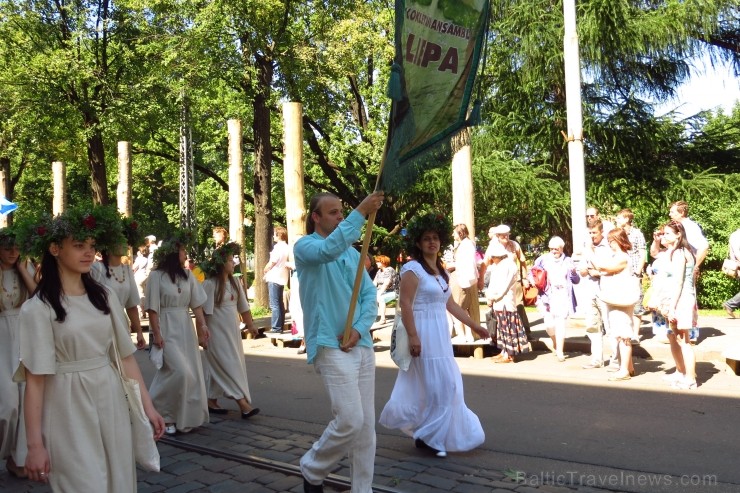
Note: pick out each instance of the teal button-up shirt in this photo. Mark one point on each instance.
(326, 275)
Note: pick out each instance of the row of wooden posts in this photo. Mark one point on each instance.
(295, 200)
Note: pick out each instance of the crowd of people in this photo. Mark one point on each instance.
(65, 322)
(59, 320)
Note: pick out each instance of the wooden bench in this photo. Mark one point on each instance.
(732, 358)
(283, 339)
(476, 348)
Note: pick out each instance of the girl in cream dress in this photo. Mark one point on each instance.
(227, 375)
(16, 281)
(77, 421)
(178, 388)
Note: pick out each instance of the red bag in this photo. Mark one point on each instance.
(540, 277)
(530, 296)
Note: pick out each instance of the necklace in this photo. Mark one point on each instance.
(444, 289)
(113, 273)
(177, 283)
(11, 295)
(227, 288)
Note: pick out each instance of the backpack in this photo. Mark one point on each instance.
(540, 277)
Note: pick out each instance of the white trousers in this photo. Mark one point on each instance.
(349, 379)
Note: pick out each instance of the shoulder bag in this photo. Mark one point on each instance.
(145, 449)
(540, 277)
(400, 351)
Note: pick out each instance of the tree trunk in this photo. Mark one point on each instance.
(262, 177)
(96, 160)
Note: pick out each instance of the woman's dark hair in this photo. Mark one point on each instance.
(172, 267)
(682, 241)
(221, 285)
(49, 288)
(106, 262)
(415, 253)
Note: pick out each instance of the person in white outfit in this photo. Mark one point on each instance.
(428, 401)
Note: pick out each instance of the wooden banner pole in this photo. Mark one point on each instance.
(363, 255)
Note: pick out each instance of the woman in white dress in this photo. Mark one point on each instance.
(225, 302)
(77, 421)
(178, 388)
(427, 401)
(119, 277)
(16, 281)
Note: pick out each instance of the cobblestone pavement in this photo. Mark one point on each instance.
(399, 467)
(261, 455)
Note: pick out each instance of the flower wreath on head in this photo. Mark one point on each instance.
(219, 257)
(430, 221)
(181, 239)
(102, 223)
(131, 232)
(7, 238)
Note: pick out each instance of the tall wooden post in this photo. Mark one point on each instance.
(462, 182)
(575, 141)
(59, 179)
(295, 205)
(236, 191)
(575, 126)
(124, 178)
(4, 188)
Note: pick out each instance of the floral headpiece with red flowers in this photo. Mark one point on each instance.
(102, 223)
(132, 232)
(431, 221)
(218, 258)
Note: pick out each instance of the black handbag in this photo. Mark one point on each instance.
(491, 325)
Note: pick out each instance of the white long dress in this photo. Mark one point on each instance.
(85, 423)
(427, 401)
(178, 389)
(12, 424)
(227, 371)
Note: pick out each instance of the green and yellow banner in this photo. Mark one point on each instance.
(438, 47)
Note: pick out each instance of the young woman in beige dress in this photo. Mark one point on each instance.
(225, 303)
(77, 420)
(16, 281)
(178, 388)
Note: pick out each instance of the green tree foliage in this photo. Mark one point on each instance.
(632, 53)
(78, 69)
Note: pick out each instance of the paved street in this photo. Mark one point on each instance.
(551, 427)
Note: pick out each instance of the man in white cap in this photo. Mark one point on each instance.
(500, 234)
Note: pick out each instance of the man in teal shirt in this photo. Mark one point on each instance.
(327, 264)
